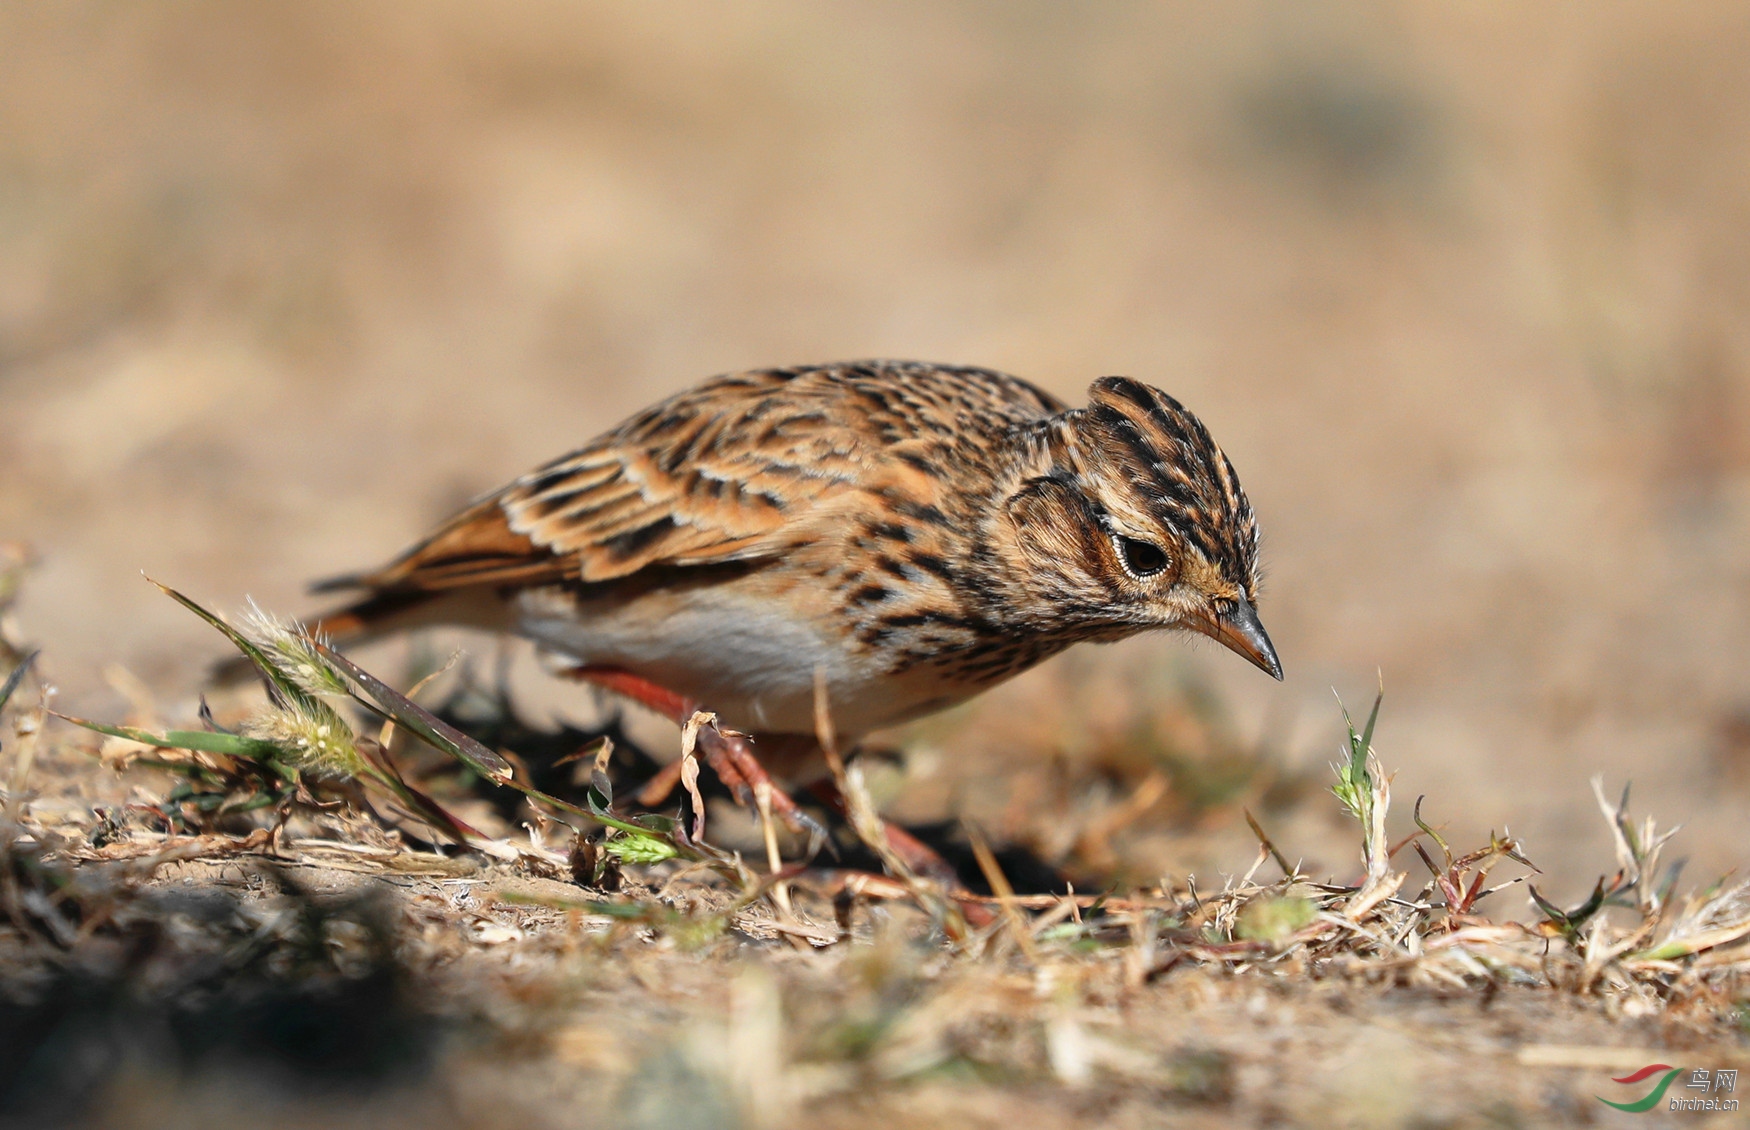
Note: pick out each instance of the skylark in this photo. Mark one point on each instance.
(909, 534)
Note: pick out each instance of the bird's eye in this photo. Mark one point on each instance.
(1140, 558)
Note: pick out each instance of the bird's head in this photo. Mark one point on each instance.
(1141, 523)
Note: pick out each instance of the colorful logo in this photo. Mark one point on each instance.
(1653, 1096)
(1713, 1084)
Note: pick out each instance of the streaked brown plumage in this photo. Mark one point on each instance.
(917, 533)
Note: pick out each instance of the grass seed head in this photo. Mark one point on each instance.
(293, 651)
(631, 847)
(314, 738)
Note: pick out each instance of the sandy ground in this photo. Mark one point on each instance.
(319, 971)
(535, 1017)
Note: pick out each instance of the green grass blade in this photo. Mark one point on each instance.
(419, 721)
(203, 741)
(16, 678)
(440, 735)
(1416, 815)
(429, 810)
(383, 771)
(288, 690)
(1372, 717)
(385, 700)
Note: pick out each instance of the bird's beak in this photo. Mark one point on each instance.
(1239, 630)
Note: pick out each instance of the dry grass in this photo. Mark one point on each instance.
(234, 924)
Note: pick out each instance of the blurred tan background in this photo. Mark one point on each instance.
(1463, 290)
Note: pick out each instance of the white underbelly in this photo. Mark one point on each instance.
(736, 654)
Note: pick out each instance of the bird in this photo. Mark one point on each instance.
(897, 535)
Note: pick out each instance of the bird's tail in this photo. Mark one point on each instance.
(376, 615)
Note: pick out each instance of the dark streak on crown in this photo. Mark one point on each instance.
(1187, 481)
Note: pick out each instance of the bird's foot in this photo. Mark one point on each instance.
(913, 852)
(729, 753)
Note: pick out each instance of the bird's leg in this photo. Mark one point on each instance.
(919, 856)
(731, 757)
(730, 754)
(665, 702)
(656, 790)
(922, 858)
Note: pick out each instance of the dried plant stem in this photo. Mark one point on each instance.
(1005, 894)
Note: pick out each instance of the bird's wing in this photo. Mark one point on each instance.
(728, 471)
